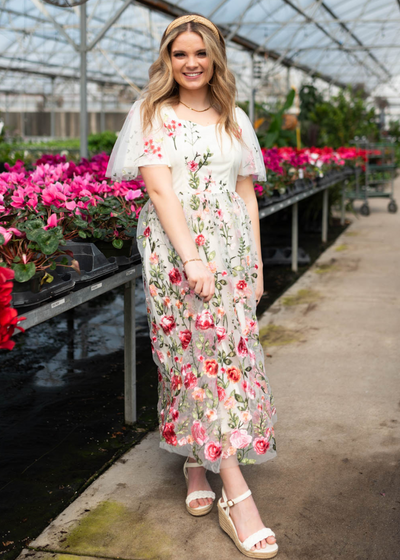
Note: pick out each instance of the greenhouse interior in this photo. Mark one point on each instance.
(86, 318)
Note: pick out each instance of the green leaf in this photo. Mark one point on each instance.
(47, 242)
(118, 243)
(239, 398)
(24, 272)
(211, 256)
(82, 234)
(2, 240)
(239, 267)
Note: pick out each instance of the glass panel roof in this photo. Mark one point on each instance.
(341, 41)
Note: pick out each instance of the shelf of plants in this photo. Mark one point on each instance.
(67, 234)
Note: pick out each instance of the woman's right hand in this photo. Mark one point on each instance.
(200, 279)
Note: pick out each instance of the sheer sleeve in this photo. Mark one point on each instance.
(252, 158)
(133, 150)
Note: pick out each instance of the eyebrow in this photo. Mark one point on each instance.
(181, 50)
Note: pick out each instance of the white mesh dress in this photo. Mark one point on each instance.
(215, 400)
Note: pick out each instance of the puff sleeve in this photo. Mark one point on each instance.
(252, 158)
(133, 150)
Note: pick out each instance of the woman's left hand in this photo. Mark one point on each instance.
(260, 284)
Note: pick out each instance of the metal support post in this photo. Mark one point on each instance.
(343, 211)
(102, 115)
(252, 91)
(295, 235)
(52, 114)
(130, 353)
(325, 216)
(84, 115)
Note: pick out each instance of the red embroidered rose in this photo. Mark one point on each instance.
(146, 232)
(199, 433)
(185, 338)
(169, 434)
(221, 333)
(174, 414)
(233, 374)
(212, 451)
(261, 445)
(190, 380)
(211, 367)
(204, 320)
(200, 239)
(221, 393)
(167, 323)
(241, 285)
(176, 383)
(242, 347)
(192, 165)
(175, 276)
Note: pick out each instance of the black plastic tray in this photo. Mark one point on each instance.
(62, 283)
(92, 262)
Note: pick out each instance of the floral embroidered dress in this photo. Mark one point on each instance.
(214, 397)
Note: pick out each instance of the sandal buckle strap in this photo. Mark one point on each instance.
(230, 503)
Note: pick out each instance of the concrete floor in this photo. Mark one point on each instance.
(333, 491)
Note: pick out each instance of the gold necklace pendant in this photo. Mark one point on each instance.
(197, 110)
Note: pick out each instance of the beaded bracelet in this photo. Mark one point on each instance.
(191, 260)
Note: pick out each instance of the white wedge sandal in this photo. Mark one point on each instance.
(201, 510)
(227, 525)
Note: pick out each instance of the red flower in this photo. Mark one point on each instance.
(169, 434)
(146, 232)
(176, 383)
(233, 374)
(221, 333)
(204, 320)
(185, 337)
(200, 239)
(212, 451)
(241, 285)
(174, 414)
(211, 367)
(242, 347)
(175, 276)
(167, 323)
(261, 445)
(190, 380)
(8, 316)
(221, 393)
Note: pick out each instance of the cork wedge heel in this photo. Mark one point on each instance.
(228, 526)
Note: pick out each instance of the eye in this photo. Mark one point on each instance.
(178, 54)
(202, 53)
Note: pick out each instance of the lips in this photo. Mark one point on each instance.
(192, 74)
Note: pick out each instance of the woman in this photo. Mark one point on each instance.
(199, 240)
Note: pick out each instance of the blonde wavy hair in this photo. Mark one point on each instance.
(162, 87)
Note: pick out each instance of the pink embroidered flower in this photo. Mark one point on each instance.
(221, 393)
(185, 338)
(211, 415)
(233, 374)
(190, 380)
(146, 232)
(212, 451)
(199, 433)
(167, 323)
(240, 439)
(221, 333)
(192, 166)
(176, 383)
(261, 445)
(230, 403)
(204, 320)
(242, 347)
(152, 290)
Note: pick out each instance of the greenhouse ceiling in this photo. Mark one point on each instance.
(341, 41)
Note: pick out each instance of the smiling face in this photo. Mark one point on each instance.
(192, 68)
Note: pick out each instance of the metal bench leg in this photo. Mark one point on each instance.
(325, 216)
(130, 353)
(295, 235)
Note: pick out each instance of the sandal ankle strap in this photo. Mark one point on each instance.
(230, 503)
